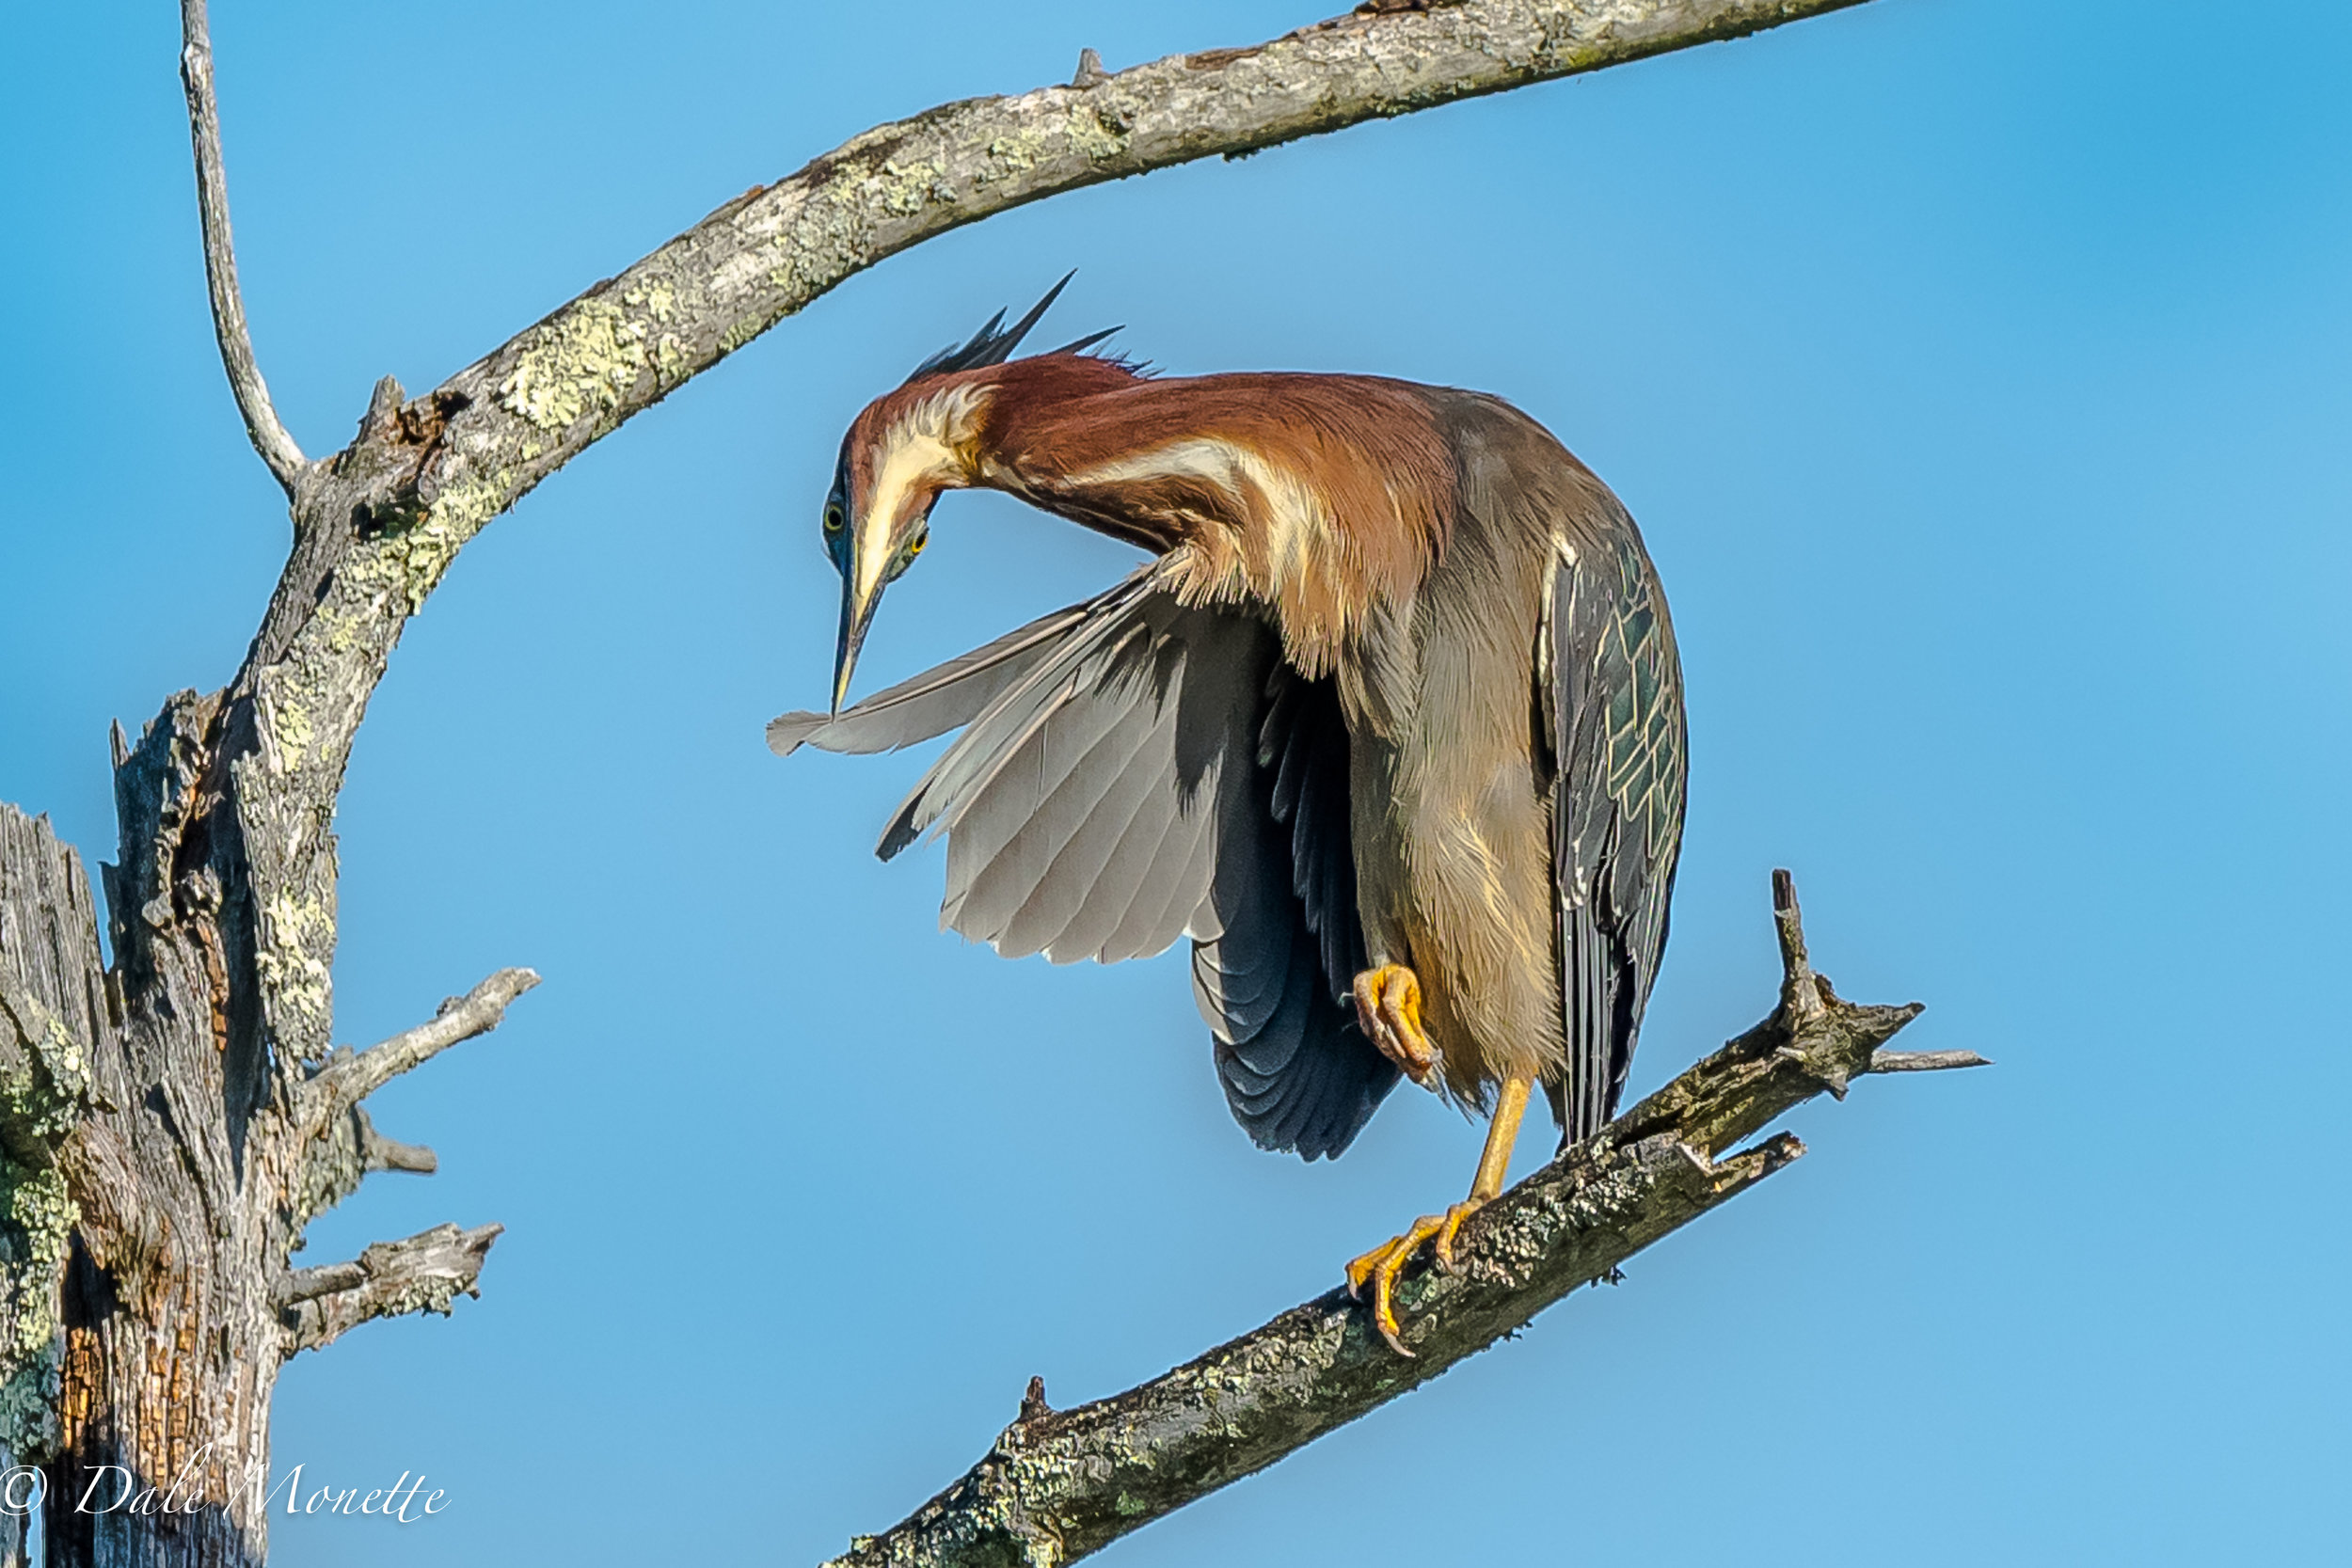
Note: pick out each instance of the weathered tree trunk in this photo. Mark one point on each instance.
(53, 1019)
(176, 1175)
(166, 1146)
(168, 1125)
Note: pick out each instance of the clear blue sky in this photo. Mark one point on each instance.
(1977, 370)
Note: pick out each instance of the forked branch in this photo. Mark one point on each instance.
(269, 437)
(1059, 1486)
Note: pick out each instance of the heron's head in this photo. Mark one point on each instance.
(899, 454)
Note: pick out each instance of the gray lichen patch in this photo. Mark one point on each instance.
(34, 1235)
(657, 296)
(298, 937)
(44, 1083)
(1081, 131)
(583, 362)
(28, 1404)
(40, 1216)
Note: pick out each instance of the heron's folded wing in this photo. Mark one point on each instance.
(1610, 697)
(1273, 981)
(1302, 746)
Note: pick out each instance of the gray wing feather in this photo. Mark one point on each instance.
(1011, 877)
(1009, 724)
(1132, 770)
(1090, 885)
(1080, 803)
(1190, 855)
(1611, 693)
(943, 698)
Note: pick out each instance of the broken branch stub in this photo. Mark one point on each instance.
(425, 1273)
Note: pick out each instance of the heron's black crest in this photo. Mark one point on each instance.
(994, 343)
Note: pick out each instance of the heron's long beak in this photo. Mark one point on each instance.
(857, 613)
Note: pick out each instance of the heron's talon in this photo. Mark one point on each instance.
(1443, 1249)
(1380, 1267)
(1388, 1009)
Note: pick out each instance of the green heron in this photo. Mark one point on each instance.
(1390, 727)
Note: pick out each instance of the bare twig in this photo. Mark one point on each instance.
(1798, 995)
(1925, 1061)
(423, 1274)
(345, 1081)
(378, 1152)
(343, 1152)
(1060, 1485)
(270, 437)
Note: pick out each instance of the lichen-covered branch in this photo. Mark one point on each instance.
(345, 1080)
(534, 404)
(1924, 1061)
(1059, 1486)
(423, 1274)
(269, 437)
(465, 453)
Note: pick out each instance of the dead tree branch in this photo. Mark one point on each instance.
(1924, 1061)
(423, 1274)
(1058, 1486)
(269, 437)
(345, 1081)
(344, 1153)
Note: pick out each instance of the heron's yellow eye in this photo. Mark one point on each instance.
(916, 547)
(833, 519)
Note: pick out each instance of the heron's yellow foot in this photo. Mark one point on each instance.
(1388, 1006)
(1382, 1264)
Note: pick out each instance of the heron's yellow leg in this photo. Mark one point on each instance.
(1387, 1006)
(1382, 1264)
